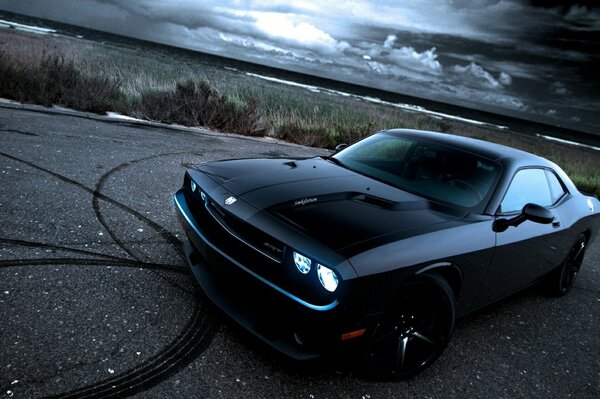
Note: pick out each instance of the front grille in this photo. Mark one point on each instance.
(249, 235)
(245, 244)
(234, 236)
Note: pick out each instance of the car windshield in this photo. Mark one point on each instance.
(435, 171)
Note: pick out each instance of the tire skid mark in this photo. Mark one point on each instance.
(152, 266)
(92, 262)
(196, 336)
(100, 217)
(16, 131)
(171, 239)
(41, 245)
(174, 241)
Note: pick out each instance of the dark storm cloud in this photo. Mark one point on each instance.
(503, 54)
(491, 21)
(189, 14)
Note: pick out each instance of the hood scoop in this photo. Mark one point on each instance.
(374, 201)
(343, 219)
(391, 205)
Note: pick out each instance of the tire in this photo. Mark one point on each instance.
(560, 281)
(414, 331)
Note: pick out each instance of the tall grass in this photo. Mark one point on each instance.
(172, 87)
(55, 80)
(197, 104)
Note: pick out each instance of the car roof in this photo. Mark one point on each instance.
(511, 159)
(506, 155)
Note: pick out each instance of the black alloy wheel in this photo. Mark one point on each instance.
(414, 331)
(561, 280)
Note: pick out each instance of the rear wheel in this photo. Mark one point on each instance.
(561, 280)
(414, 331)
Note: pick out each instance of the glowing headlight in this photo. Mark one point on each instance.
(203, 196)
(193, 185)
(302, 263)
(327, 277)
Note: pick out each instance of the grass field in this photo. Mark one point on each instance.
(168, 87)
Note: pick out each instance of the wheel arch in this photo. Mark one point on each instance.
(449, 272)
(405, 322)
(587, 234)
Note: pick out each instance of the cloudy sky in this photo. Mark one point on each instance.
(529, 58)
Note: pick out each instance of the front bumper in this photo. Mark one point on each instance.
(291, 325)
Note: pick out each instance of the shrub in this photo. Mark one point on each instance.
(55, 81)
(198, 104)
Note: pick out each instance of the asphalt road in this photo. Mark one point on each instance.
(95, 298)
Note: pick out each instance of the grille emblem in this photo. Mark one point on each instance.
(273, 248)
(230, 200)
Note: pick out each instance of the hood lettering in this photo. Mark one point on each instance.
(305, 201)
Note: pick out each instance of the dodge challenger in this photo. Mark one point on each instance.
(378, 248)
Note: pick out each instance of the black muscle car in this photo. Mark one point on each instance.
(381, 246)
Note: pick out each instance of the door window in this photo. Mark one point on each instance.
(528, 186)
(556, 189)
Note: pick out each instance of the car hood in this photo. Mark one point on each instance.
(327, 202)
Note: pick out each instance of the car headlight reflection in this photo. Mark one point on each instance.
(327, 277)
(302, 263)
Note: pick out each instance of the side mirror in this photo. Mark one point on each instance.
(340, 147)
(537, 213)
(533, 212)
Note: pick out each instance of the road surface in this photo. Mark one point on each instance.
(96, 301)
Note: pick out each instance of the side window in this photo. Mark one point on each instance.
(556, 189)
(528, 185)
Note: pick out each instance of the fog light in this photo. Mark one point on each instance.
(193, 186)
(327, 277)
(302, 263)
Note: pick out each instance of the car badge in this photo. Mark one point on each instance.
(590, 204)
(230, 200)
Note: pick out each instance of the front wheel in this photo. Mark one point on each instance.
(414, 330)
(561, 280)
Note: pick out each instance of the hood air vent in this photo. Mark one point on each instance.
(374, 201)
